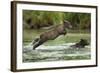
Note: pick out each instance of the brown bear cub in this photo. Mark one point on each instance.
(81, 44)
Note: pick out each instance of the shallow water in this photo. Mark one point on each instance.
(55, 53)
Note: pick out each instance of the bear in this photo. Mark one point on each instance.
(52, 34)
(81, 44)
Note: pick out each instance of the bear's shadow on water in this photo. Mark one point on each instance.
(55, 53)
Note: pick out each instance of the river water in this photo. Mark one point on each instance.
(58, 52)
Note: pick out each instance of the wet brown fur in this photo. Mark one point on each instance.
(51, 34)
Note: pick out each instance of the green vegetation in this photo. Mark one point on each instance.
(39, 19)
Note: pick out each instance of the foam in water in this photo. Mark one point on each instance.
(54, 52)
(47, 47)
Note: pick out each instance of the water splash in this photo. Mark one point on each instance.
(55, 53)
(47, 47)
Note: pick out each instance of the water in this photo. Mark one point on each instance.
(55, 53)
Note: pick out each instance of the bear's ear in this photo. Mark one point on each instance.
(64, 21)
(67, 24)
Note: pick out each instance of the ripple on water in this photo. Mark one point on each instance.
(55, 53)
